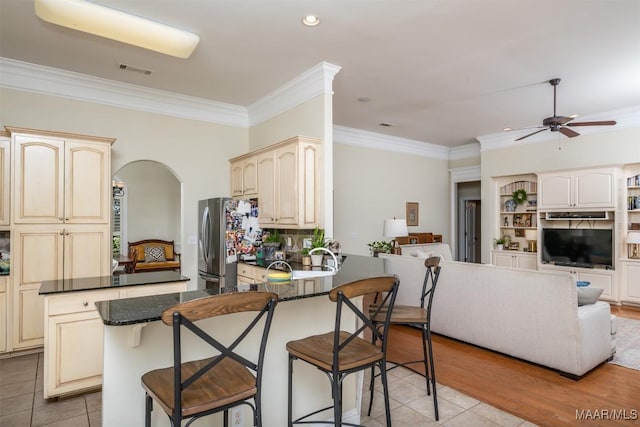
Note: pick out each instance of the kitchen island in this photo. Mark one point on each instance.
(135, 341)
(73, 334)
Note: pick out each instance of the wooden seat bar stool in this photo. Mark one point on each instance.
(419, 316)
(339, 353)
(193, 389)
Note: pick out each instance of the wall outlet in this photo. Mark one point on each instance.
(237, 416)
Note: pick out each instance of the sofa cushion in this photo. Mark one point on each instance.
(154, 254)
(588, 295)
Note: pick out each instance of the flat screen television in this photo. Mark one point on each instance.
(577, 247)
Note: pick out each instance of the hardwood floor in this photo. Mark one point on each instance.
(531, 392)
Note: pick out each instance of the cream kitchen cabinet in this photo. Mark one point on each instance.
(74, 336)
(513, 259)
(244, 177)
(250, 274)
(289, 184)
(5, 180)
(4, 306)
(60, 178)
(47, 253)
(582, 189)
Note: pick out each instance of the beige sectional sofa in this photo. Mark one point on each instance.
(531, 315)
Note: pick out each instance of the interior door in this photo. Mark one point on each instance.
(472, 231)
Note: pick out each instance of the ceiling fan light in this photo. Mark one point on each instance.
(116, 25)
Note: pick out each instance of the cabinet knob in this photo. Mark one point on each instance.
(61, 218)
(85, 303)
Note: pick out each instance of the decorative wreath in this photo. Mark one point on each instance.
(519, 196)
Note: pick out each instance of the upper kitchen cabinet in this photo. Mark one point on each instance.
(5, 187)
(60, 178)
(583, 189)
(244, 177)
(288, 182)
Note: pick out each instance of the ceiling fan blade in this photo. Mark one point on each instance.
(600, 123)
(532, 133)
(568, 132)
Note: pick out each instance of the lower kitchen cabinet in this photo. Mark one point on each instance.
(73, 336)
(250, 274)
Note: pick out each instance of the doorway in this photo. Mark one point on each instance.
(469, 222)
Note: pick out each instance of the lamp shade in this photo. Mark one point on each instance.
(114, 24)
(395, 228)
(633, 237)
(530, 234)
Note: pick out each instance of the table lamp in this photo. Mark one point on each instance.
(395, 228)
(532, 239)
(633, 238)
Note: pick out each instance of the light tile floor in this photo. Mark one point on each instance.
(22, 404)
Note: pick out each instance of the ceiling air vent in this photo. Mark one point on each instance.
(134, 69)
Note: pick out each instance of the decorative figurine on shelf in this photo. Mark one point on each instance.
(506, 221)
(510, 205)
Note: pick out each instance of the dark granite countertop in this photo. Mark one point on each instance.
(105, 282)
(128, 311)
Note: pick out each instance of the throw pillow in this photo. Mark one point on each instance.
(588, 295)
(154, 254)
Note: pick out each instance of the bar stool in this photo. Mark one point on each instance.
(340, 353)
(414, 316)
(190, 390)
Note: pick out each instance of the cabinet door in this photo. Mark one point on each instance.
(501, 259)
(236, 178)
(73, 352)
(5, 188)
(527, 262)
(87, 183)
(554, 192)
(631, 279)
(594, 189)
(38, 174)
(287, 191)
(3, 314)
(87, 251)
(266, 189)
(250, 177)
(37, 255)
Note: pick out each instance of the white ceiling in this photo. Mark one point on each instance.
(442, 71)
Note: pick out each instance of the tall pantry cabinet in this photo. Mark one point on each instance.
(60, 204)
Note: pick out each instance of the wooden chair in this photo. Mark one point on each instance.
(190, 390)
(414, 316)
(339, 353)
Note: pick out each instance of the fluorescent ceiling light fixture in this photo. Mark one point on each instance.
(113, 24)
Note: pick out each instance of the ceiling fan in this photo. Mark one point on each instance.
(559, 123)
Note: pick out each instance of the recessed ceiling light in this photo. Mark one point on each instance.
(507, 129)
(364, 99)
(311, 20)
(387, 125)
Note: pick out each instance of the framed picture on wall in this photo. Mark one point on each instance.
(412, 213)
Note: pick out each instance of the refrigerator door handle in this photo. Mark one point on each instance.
(205, 241)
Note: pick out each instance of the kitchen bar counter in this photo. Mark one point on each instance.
(304, 309)
(129, 311)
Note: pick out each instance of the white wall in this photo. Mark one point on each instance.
(374, 185)
(196, 152)
(585, 151)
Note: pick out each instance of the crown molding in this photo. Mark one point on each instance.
(626, 118)
(66, 84)
(315, 81)
(467, 151)
(379, 141)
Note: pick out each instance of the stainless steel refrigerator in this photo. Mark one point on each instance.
(226, 228)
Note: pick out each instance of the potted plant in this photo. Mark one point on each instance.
(317, 241)
(306, 258)
(271, 244)
(380, 247)
(500, 243)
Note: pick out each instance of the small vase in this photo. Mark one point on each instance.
(306, 260)
(499, 247)
(316, 260)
